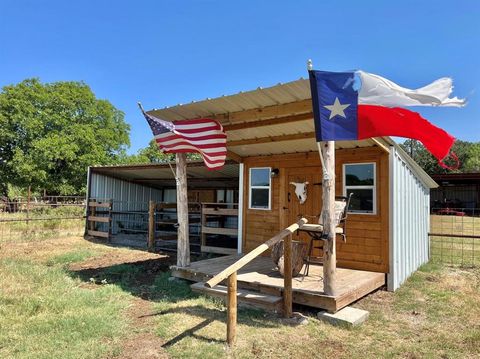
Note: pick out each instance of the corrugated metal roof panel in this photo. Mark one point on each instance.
(261, 97)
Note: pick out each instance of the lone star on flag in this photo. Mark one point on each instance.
(337, 109)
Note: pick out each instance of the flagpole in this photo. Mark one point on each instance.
(326, 151)
(183, 240)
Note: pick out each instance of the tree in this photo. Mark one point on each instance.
(152, 154)
(472, 164)
(468, 154)
(52, 132)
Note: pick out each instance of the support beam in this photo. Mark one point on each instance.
(328, 196)
(233, 156)
(269, 122)
(259, 140)
(381, 145)
(183, 242)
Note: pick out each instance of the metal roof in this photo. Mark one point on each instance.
(160, 175)
(264, 140)
(261, 97)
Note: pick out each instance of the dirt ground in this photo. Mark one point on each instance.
(144, 343)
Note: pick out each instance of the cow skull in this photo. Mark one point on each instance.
(300, 191)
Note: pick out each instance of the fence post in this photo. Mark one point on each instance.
(231, 308)
(287, 276)
(110, 220)
(151, 226)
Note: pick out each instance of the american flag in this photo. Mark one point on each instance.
(203, 136)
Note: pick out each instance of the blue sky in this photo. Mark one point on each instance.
(168, 52)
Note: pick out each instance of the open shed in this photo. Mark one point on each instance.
(271, 139)
(121, 197)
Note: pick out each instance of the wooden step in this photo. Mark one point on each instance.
(244, 297)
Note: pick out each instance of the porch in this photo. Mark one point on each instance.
(260, 276)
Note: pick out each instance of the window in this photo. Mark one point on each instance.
(259, 191)
(359, 179)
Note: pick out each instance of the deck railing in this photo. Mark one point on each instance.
(230, 273)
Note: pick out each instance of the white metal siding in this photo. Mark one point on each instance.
(409, 221)
(126, 196)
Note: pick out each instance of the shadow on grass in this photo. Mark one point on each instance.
(150, 280)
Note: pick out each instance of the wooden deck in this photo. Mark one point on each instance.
(260, 275)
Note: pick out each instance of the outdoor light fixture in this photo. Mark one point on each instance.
(274, 172)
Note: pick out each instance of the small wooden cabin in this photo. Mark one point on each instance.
(271, 144)
(270, 134)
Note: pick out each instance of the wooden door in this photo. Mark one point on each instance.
(312, 207)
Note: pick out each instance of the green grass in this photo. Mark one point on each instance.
(48, 311)
(46, 314)
(71, 257)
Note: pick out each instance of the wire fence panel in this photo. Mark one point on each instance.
(455, 236)
(24, 220)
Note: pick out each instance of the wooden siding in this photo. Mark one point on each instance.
(367, 235)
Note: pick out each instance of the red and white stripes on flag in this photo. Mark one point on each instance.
(203, 136)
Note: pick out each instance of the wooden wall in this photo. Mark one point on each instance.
(367, 235)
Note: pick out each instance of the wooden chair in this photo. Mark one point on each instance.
(317, 233)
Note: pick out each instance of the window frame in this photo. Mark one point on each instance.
(372, 187)
(269, 187)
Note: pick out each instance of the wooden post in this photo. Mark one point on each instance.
(326, 150)
(287, 276)
(110, 219)
(28, 202)
(328, 196)
(183, 243)
(91, 211)
(231, 308)
(151, 226)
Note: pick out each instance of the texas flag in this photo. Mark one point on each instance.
(358, 105)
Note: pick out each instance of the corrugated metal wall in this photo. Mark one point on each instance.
(127, 197)
(409, 221)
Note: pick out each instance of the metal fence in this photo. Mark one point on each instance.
(29, 220)
(455, 236)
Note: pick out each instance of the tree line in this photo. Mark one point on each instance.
(52, 132)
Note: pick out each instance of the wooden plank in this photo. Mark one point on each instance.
(263, 300)
(381, 145)
(368, 286)
(269, 122)
(98, 219)
(231, 308)
(221, 211)
(97, 234)
(254, 253)
(98, 204)
(183, 243)
(215, 230)
(234, 156)
(217, 250)
(258, 140)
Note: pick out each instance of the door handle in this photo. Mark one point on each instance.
(285, 207)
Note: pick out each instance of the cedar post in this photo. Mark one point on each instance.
(151, 226)
(287, 276)
(28, 202)
(231, 308)
(183, 244)
(327, 158)
(328, 196)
